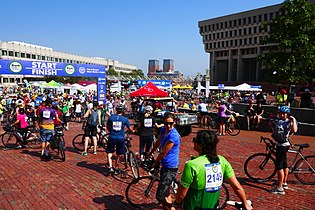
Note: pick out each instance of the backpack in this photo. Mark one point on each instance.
(93, 118)
(281, 131)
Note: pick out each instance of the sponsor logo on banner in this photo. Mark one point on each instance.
(15, 67)
(82, 70)
(69, 69)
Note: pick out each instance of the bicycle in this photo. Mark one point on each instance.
(58, 142)
(130, 158)
(12, 136)
(261, 167)
(203, 120)
(232, 125)
(102, 139)
(140, 193)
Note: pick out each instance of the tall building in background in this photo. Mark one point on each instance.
(234, 42)
(153, 67)
(168, 65)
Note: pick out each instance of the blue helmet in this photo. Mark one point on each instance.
(284, 109)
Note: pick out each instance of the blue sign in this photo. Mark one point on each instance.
(161, 83)
(255, 86)
(43, 68)
(220, 86)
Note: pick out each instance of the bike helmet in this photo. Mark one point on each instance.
(148, 108)
(19, 102)
(119, 108)
(284, 109)
(95, 103)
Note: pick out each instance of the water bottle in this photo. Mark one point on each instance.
(19, 135)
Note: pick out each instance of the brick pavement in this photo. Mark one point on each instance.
(80, 183)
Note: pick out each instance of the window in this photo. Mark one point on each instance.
(43, 58)
(235, 42)
(22, 55)
(33, 56)
(245, 41)
(240, 32)
(60, 60)
(210, 45)
(234, 23)
(56, 59)
(249, 41)
(244, 31)
(12, 80)
(244, 21)
(249, 20)
(231, 33)
(239, 22)
(255, 40)
(5, 80)
(225, 24)
(254, 30)
(4, 52)
(255, 19)
(17, 54)
(28, 55)
(270, 16)
(259, 18)
(230, 22)
(265, 17)
(249, 31)
(231, 43)
(241, 42)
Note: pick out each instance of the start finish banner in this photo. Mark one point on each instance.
(43, 68)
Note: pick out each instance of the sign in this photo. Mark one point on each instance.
(43, 68)
(255, 86)
(161, 83)
(220, 86)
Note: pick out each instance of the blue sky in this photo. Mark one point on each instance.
(130, 31)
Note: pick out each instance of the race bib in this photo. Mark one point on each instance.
(148, 123)
(117, 125)
(46, 114)
(214, 177)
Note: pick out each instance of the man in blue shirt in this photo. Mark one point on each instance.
(116, 127)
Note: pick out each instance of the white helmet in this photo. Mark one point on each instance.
(19, 102)
(148, 108)
(32, 104)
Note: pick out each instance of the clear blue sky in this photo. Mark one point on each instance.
(130, 31)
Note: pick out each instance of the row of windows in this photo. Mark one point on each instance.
(233, 43)
(12, 80)
(234, 33)
(248, 51)
(39, 57)
(240, 22)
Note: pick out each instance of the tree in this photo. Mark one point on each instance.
(292, 37)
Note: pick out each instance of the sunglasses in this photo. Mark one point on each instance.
(168, 123)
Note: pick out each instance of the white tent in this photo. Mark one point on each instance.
(90, 87)
(247, 87)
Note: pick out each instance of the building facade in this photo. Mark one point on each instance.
(168, 65)
(23, 51)
(233, 44)
(153, 67)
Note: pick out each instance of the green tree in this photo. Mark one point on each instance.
(292, 38)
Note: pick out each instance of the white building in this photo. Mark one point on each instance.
(13, 50)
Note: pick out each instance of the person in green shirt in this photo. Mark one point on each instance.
(203, 176)
(66, 114)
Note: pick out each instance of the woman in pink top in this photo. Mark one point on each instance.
(221, 117)
(21, 119)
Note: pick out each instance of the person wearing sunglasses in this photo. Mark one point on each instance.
(169, 140)
(203, 176)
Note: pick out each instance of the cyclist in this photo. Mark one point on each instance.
(282, 128)
(21, 119)
(202, 108)
(93, 116)
(46, 118)
(203, 176)
(116, 126)
(169, 140)
(222, 116)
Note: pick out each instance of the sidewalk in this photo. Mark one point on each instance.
(80, 183)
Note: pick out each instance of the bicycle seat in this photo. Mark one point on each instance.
(302, 145)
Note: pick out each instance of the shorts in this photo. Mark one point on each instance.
(118, 143)
(167, 176)
(203, 113)
(78, 114)
(222, 119)
(90, 131)
(46, 135)
(281, 157)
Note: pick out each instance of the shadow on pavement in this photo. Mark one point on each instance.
(31, 153)
(266, 186)
(93, 166)
(111, 202)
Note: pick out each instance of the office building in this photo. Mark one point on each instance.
(23, 51)
(168, 65)
(153, 67)
(233, 44)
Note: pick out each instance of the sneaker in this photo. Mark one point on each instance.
(276, 190)
(18, 147)
(285, 186)
(84, 154)
(94, 153)
(111, 170)
(66, 128)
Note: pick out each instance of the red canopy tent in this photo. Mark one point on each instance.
(149, 90)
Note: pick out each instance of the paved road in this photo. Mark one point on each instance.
(80, 183)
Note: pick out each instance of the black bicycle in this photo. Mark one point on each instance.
(58, 143)
(141, 192)
(232, 125)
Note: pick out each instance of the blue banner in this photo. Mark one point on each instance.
(43, 68)
(161, 83)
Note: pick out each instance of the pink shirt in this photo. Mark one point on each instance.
(23, 120)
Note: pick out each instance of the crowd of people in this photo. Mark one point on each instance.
(203, 175)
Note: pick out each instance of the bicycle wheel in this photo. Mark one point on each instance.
(78, 142)
(9, 140)
(233, 128)
(224, 196)
(104, 141)
(34, 141)
(61, 148)
(140, 193)
(213, 125)
(304, 170)
(260, 167)
(133, 165)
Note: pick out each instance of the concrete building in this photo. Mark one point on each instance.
(22, 51)
(233, 44)
(168, 65)
(153, 67)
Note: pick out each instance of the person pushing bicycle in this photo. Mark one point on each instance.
(282, 128)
